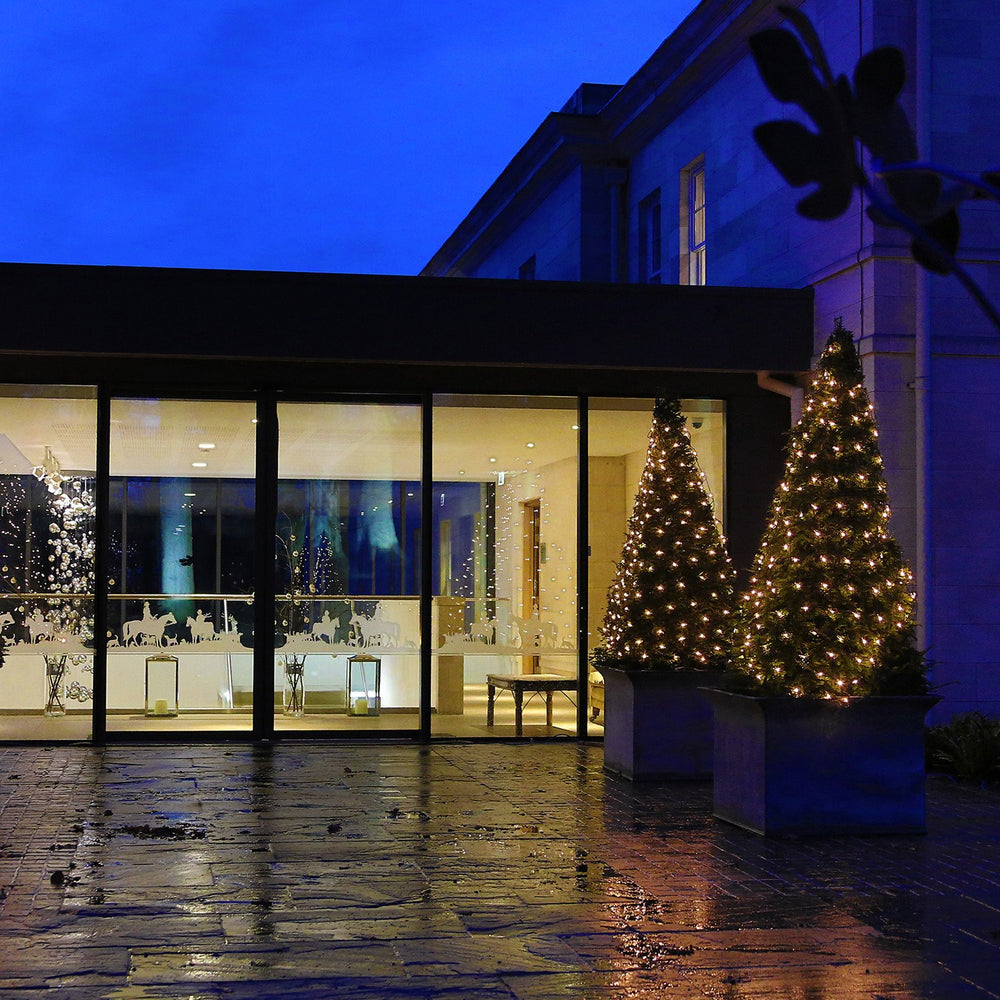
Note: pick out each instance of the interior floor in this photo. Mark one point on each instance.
(470, 724)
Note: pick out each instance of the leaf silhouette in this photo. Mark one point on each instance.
(945, 231)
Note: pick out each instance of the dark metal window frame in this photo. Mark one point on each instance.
(265, 513)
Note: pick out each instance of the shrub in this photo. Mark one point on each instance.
(968, 747)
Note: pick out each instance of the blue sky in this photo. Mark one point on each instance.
(313, 135)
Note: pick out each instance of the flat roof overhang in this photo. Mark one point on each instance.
(244, 327)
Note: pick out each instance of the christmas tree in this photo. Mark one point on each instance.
(671, 604)
(828, 612)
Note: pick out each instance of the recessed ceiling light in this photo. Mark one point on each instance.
(575, 427)
(461, 472)
(492, 459)
(253, 420)
(530, 444)
(199, 465)
(190, 494)
(205, 446)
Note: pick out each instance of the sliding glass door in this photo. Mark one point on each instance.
(347, 563)
(181, 565)
(504, 574)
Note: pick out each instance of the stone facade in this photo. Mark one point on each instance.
(573, 199)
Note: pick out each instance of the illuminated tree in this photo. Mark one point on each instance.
(828, 612)
(671, 604)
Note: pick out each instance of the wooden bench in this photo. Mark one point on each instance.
(517, 684)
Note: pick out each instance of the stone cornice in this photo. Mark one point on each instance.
(704, 47)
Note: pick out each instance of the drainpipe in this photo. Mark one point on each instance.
(922, 350)
(765, 380)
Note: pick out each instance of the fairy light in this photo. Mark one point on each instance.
(656, 598)
(829, 587)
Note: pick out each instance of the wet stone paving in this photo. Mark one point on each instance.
(478, 870)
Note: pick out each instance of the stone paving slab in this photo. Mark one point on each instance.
(484, 870)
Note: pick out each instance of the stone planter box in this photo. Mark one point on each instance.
(801, 766)
(657, 723)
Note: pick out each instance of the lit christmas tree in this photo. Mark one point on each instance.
(828, 612)
(671, 604)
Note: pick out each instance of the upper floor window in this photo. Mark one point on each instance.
(650, 245)
(693, 223)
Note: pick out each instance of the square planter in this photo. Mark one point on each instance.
(803, 766)
(657, 723)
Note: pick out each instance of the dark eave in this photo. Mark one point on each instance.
(65, 312)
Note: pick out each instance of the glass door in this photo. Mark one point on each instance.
(347, 565)
(504, 543)
(181, 565)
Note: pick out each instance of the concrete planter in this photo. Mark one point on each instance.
(801, 766)
(657, 723)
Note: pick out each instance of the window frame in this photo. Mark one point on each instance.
(693, 228)
(650, 235)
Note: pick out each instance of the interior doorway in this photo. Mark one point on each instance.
(531, 567)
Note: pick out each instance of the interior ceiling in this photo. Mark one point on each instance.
(159, 438)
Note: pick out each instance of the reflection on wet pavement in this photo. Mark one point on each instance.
(464, 870)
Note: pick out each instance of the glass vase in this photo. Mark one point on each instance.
(293, 691)
(55, 686)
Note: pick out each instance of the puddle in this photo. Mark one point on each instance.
(144, 831)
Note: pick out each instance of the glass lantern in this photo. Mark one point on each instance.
(161, 686)
(364, 683)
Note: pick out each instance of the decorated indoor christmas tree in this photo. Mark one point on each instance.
(828, 612)
(671, 604)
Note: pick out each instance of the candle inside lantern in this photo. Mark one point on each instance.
(160, 707)
(361, 706)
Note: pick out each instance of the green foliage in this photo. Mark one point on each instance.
(828, 612)
(672, 601)
(968, 747)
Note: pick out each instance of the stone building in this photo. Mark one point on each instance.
(658, 181)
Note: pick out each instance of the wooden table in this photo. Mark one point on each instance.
(517, 684)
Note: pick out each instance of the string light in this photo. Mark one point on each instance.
(828, 569)
(655, 596)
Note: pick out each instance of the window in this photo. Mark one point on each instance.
(650, 232)
(693, 223)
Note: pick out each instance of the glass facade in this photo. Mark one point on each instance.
(359, 577)
(505, 511)
(180, 564)
(347, 566)
(48, 437)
